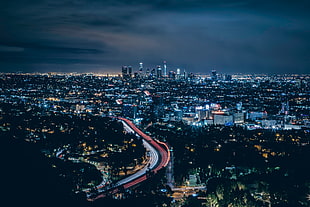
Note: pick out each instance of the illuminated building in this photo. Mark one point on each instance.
(159, 72)
(140, 69)
(171, 75)
(152, 75)
(124, 71)
(213, 75)
(223, 119)
(178, 73)
(130, 71)
(238, 118)
(228, 77)
(202, 114)
(254, 115)
(147, 72)
(185, 74)
(165, 69)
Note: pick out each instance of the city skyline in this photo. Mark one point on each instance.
(155, 140)
(198, 36)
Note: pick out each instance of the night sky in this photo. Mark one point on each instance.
(249, 36)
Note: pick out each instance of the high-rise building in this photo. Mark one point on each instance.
(130, 71)
(178, 73)
(228, 77)
(185, 74)
(213, 75)
(191, 76)
(171, 75)
(159, 72)
(124, 71)
(152, 75)
(202, 114)
(147, 72)
(165, 69)
(140, 67)
(136, 74)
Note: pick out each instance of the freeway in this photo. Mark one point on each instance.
(151, 163)
(159, 157)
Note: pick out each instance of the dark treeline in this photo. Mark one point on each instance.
(274, 160)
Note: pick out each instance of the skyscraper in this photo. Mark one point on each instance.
(213, 75)
(140, 67)
(185, 74)
(124, 71)
(171, 75)
(130, 71)
(165, 69)
(178, 73)
(152, 75)
(228, 77)
(147, 72)
(159, 72)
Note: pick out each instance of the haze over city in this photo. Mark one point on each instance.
(247, 36)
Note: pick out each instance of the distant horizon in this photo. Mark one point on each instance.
(114, 73)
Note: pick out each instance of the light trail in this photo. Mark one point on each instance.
(159, 158)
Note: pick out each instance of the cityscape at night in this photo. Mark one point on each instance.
(164, 103)
(159, 138)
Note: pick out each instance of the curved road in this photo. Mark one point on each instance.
(159, 158)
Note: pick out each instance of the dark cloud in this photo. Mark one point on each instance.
(231, 36)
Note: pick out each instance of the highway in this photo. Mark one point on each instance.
(151, 164)
(159, 157)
